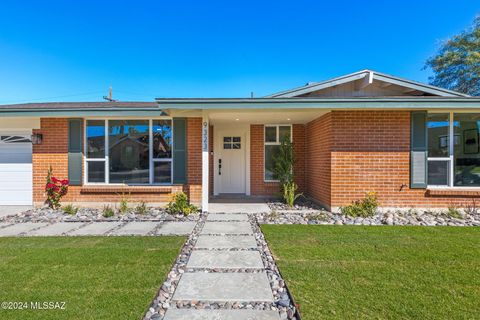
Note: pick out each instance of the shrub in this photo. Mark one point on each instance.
(55, 190)
(289, 193)
(141, 208)
(123, 207)
(362, 208)
(454, 212)
(107, 211)
(70, 209)
(180, 205)
(283, 171)
(471, 208)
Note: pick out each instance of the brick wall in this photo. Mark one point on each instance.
(194, 162)
(318, 159)
(54, 152)
(258, 187)
(210, 160)
(369, 151)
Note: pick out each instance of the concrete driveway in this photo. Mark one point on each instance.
(12, 210)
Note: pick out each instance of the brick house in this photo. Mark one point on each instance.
(413, 144)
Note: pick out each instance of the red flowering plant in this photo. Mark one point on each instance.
(55, 189)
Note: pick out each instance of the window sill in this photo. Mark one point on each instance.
(454, 191)
(127, 189)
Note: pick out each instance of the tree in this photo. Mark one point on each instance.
(456, 66)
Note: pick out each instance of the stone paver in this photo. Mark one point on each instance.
(95, 229)
(242, 314)
(19, 228)
(225, 259)
(13, 210)
(240, 287)
(136, 228)
(230, 242)
(227, 228)
(227, 217)
(56, 229)
(238, 207)
(176, 228)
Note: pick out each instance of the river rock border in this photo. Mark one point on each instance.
(283, 299)
(410, 217)
(162, 301)
(45, 214)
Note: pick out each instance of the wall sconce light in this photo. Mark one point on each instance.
(37, 138)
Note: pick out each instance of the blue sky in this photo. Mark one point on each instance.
(74, 50)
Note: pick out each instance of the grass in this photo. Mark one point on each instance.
(97, 277)
(356, 272)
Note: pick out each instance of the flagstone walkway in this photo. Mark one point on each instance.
(225, 267)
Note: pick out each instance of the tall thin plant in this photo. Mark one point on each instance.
(284, 161)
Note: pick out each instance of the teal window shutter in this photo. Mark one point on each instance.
(418, 150)
(179, 150)
(75, 157)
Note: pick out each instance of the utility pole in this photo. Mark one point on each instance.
(109, 98)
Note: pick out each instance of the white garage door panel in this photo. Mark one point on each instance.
(19, 168)
(15, 173)
(20, 197)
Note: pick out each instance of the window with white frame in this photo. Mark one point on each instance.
(453, 149)
(128, 151)
(273, 136)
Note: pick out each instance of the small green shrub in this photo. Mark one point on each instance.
(123, 207)
(290, 194)
(141, 208)
(454, 212)
(180, 205)
(362, 208)
(107, 211)
(70, 209)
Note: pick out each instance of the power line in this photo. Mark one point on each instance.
(56, 97)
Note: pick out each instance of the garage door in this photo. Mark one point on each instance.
(15, 169)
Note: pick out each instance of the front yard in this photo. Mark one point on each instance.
(96, 277)
(365, 272)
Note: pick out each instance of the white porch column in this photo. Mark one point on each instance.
(205, 158)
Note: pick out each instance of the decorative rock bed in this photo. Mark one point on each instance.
(411, 217)
(46, 214)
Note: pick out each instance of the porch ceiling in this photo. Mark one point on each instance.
(261, 116)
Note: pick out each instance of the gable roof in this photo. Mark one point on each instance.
(365, 78)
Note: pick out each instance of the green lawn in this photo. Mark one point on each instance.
(356, 272)
(97, 277)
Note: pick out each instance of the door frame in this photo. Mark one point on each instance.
(218, 129)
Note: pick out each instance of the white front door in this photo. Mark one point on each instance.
(230, 161)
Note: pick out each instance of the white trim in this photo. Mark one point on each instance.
(316, 86)
(106, 158)
(451, 156)
(276, 143)
(205, 164)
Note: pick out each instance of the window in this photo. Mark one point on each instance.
(129, 151)
(466, 154)
(274, 135)
(438, 126)
(453, 149)
(232, 142)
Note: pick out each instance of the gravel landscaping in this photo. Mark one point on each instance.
(304, 214)
(49, 215)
